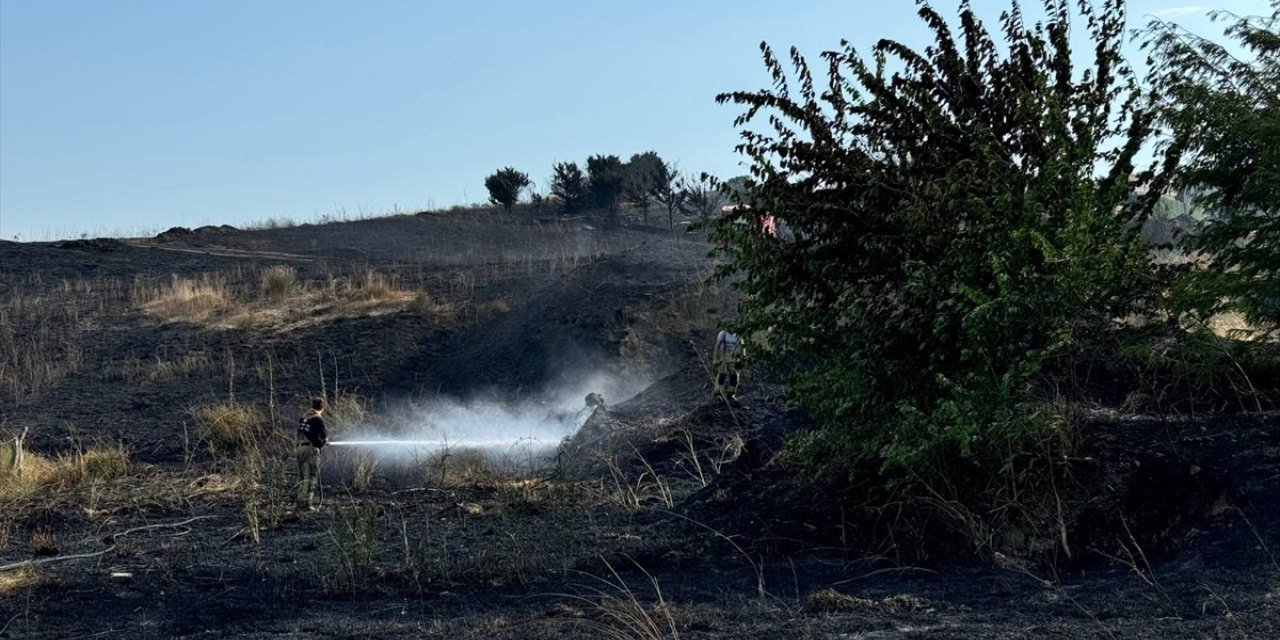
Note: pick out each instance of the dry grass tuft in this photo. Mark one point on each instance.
(104, 462)
(620, 613)
(343, 409)
(425, 305)
(44, 543)
(185, 299)
(279, 281)
(20, 580)
(229, 425)
(69, 470)
(456, 468)
(373, 285)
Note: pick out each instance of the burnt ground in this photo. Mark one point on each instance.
(668, 516)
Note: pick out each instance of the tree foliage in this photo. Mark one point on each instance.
(953, 224)
(607, 175)
(569, 185)
(505, 185)
(643, 172)
(1224, 111)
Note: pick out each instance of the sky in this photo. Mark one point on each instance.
(129, 117)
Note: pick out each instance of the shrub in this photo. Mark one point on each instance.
(278, 281)
(504, 187)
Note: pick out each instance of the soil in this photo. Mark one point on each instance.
(670, 503)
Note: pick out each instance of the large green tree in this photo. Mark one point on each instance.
(1222, 106)
(958, 213)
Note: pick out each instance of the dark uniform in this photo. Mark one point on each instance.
(312, 437)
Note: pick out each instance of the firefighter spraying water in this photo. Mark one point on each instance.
(593, 402)
(312, 437)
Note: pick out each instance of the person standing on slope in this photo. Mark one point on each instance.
(725, 362)
(312, 437)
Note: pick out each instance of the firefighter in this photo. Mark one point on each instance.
(312, 437)
(725, 362)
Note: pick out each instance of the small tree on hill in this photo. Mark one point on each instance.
(607, 176)
(569, 185)
(642, 173)
(504, 187)
(667, 192)
(701, 199)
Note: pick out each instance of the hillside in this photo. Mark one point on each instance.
(158, 381)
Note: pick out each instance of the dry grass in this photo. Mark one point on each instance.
(830, 600)
(621, 614)
(66, 471)
(44, 543)
(229, 426)
(458, 467)
(278, 281)
(20, 580)
(184, 299)
(425, 305)
(134, 370)
(41, 341)
(343, 409)
(646, 488)
(373, 285)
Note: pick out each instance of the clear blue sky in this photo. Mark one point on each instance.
(117, 117)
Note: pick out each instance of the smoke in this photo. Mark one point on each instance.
(522, 434)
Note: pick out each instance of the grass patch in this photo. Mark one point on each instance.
(424, 304)
(372, 285)
(278, 281)
(20, 580)
(66, 471)
(186, 299)
(229, 426)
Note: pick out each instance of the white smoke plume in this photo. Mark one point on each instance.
(523, 434)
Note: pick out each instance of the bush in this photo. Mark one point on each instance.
(951, 226)
(278, 281)
(504, 186)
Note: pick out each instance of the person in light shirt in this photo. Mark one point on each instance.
(725, 362)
